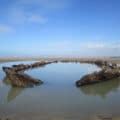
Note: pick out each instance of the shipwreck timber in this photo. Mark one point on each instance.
(17, 77)
(107, 72)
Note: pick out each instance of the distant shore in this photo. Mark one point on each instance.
(65, 59)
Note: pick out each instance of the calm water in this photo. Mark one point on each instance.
(58, 98)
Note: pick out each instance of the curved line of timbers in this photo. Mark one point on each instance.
(18, 78)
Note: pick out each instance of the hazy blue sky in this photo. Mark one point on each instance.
(59, 27)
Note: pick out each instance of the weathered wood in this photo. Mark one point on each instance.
(108, 72)
(19, 79)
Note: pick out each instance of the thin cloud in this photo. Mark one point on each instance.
(46, 4)
(37, 19)
(95, 45)
(20, 16)
(6, 28)
(103, 45)
(17, 15)
(33, 11)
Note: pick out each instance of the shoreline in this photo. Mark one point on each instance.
(7, 117)
(109, 70)
(63, 59)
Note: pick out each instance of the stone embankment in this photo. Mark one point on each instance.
(108, 71)
(19, 79)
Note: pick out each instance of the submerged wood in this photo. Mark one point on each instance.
(108, 72)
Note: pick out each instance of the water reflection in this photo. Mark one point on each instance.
(101, 89)
(58, 97)
(13, 92)
(6, 81)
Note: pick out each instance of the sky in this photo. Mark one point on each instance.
(80, 28)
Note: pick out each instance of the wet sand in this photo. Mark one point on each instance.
(29, 116)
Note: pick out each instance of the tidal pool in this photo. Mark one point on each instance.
(58, 98)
